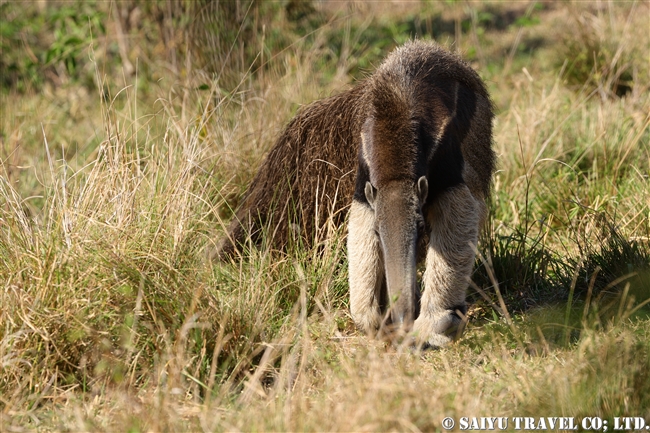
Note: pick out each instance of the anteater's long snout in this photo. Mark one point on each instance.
(401, 280)
(398, 215)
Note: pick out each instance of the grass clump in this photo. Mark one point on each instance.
(600, 53)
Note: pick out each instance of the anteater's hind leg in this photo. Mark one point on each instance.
(366, 268)
(454, 220)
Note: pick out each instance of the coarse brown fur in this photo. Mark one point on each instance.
(315, 158)
(425, 98)
(307, 177)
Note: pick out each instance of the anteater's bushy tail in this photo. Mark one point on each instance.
(307, 178)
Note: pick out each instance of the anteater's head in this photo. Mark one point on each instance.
(399, 223)
(396, 191)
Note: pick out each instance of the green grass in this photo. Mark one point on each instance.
(115, 186)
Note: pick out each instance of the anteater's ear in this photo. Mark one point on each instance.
(423, 189)
(371, 194)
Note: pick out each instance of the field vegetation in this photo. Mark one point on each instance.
(129, 131)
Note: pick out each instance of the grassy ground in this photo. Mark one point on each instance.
(129, 132)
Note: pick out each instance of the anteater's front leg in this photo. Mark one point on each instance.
(454, 220)
(366, 269)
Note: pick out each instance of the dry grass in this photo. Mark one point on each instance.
(112, 316)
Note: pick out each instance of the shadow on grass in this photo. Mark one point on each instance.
(554, 295)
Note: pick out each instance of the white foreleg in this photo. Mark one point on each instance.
(366, 269)
(454, 221)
